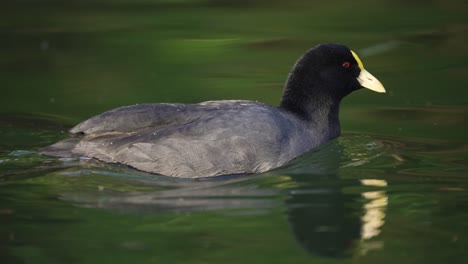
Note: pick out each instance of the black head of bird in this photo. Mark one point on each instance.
(323, 76)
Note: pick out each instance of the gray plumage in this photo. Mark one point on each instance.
(194, 140)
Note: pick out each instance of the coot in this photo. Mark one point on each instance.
(227, 137)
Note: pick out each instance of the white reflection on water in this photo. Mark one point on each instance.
(374, 215)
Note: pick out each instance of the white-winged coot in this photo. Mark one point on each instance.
(227, 137)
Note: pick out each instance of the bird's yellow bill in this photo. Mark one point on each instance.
(366, 79)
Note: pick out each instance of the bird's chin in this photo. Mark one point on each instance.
(354, 87)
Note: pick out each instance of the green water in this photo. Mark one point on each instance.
(392, 189)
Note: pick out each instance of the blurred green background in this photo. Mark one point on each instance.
(80, 57)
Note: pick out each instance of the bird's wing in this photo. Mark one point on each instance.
(132, 118)
(130, 124)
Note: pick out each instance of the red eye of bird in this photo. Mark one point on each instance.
(346, 64)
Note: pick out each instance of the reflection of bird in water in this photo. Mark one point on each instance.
(321, 216)
(328, 222)
(325, 219)
(322, 222)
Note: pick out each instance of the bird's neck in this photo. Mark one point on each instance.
(313, 105)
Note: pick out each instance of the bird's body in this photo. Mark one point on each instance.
(195, 140)
(216, 137)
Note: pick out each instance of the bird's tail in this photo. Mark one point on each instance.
(62, 148)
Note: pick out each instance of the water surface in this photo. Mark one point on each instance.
(392, 188)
